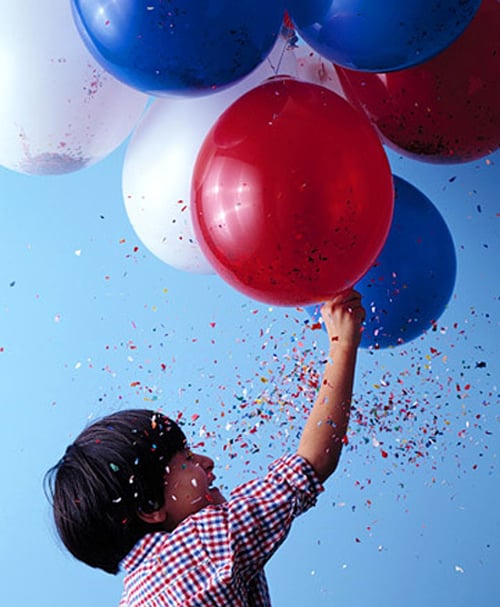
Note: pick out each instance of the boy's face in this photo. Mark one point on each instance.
(188, 487)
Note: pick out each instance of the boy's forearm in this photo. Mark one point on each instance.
(326, 426)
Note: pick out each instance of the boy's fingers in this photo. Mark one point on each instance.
(349, 300)
(346, 296)
(359, 311)
(354, 305)
(352, 295)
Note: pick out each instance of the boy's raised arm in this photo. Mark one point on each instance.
(325, 428)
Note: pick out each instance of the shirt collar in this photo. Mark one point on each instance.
(142, 550)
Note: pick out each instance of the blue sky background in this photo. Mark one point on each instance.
(91, 322)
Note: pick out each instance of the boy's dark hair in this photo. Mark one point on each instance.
(113, 470)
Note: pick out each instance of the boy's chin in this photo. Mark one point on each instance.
(215, 496)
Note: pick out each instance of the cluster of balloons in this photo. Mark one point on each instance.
(264, 159)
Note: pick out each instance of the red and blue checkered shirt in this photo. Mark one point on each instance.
(216, 556)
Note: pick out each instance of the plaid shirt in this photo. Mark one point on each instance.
(216, 556)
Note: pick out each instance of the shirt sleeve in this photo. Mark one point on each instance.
(260, 512)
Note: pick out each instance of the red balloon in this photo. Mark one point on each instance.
(292, 194)
(446, 110)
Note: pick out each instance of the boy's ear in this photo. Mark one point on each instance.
(153, 518)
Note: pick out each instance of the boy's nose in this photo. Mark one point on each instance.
(205, 462)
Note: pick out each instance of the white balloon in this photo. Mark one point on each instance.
(312, 67)
(160, 159)
(59, 110)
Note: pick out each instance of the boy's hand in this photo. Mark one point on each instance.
(343, 317)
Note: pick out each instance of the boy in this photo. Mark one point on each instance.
(129, 494)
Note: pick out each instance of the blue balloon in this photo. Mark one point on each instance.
(380, 35)
(179, 47)
(410, 284)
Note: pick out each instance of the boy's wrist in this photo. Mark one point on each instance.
(343, 347)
